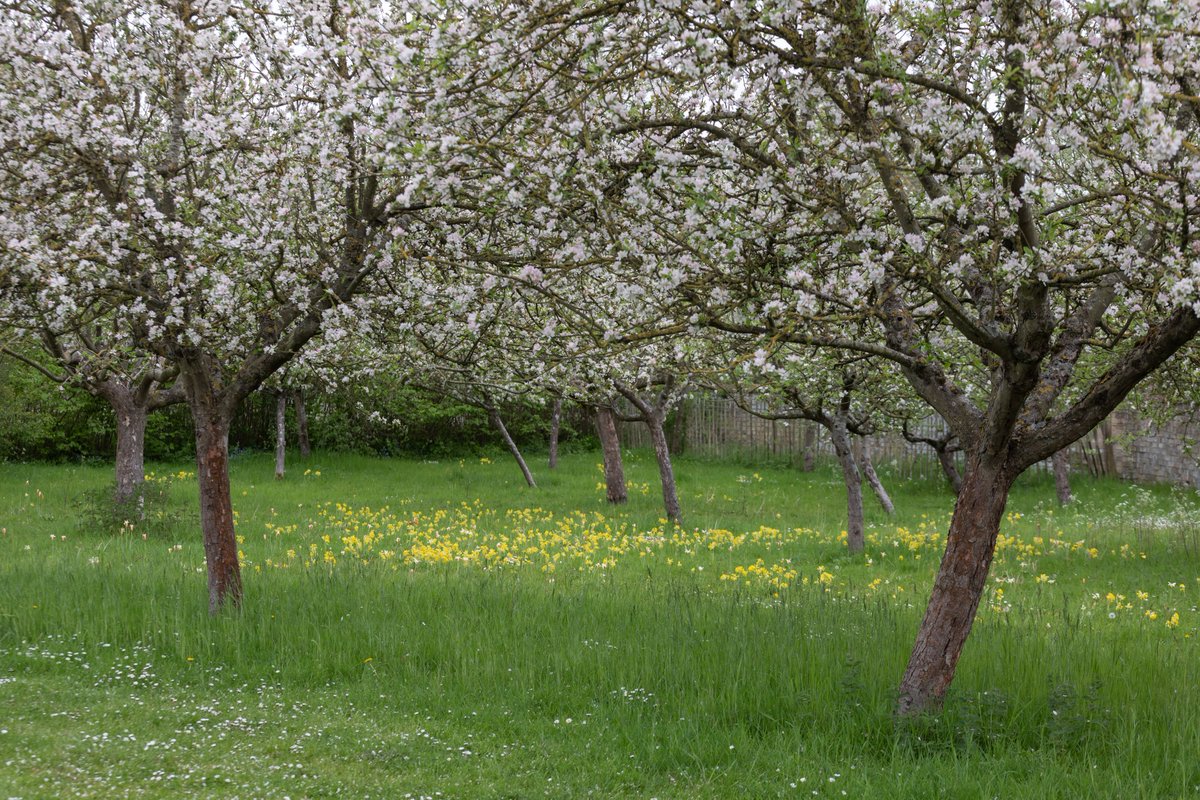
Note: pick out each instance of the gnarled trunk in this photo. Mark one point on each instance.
(958, 587)
(863, 455)
(853, 482)
(280, 434)
(302, 425)
(610, 446)
(1062, 477)
(498, 424)
(555, 424)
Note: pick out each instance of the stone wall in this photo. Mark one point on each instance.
(1150, 452)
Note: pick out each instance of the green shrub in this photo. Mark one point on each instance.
(149, 512)
(44, 420)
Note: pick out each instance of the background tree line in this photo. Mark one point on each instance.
(43, 421)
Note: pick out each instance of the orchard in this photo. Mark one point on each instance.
(453, 235)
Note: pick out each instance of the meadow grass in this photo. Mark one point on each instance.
(436, 629)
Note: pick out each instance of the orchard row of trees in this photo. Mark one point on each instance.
(984, 207)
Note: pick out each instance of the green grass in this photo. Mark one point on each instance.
(634, 672)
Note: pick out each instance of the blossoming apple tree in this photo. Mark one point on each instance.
(1013, 183)
(100, 356)
(225, 175)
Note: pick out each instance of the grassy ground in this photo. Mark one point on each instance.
(416, 629)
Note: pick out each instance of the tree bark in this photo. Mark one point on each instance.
(216, 509)
(555, 423)
(302, 425)
(1062, 477)
(131, 443)
(210, 421)
(610, 446)
(950, 468)
(666, 472)
(958, 587)
(810, 447)
(863, 455)
(280, 434)
(853, 481)
(498, 424)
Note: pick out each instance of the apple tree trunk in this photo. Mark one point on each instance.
(852, 479)
(210, 421)
(958, 587)
(555, 425)
(280, 434)
(666, 473)
(950, 468)
(863, 455)
(809, 459)
(131, 444)
(302, 425)
(216, 510)
(610, 446)
(498, 424)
